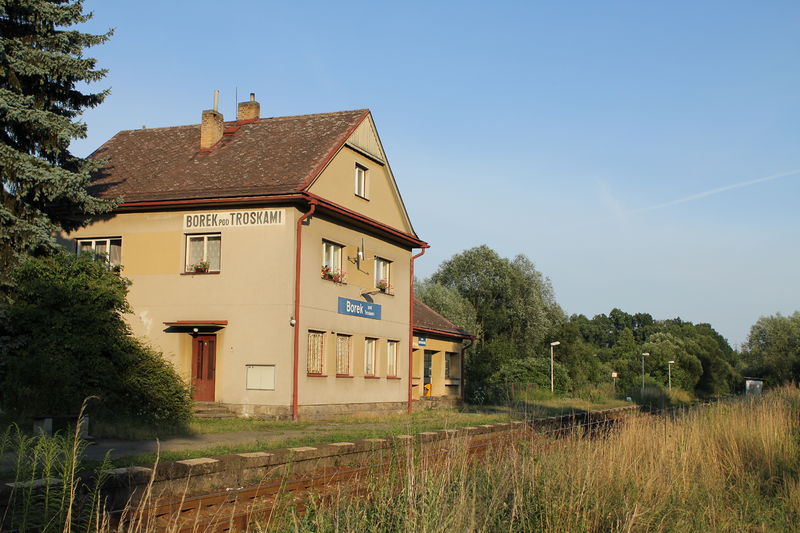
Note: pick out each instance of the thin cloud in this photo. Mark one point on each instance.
(609, 199)
(712, 192)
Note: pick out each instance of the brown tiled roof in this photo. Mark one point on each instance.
(269, 156)
(425, 317)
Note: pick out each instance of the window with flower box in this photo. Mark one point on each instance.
(332, 262)
(344, 356)
(383, 275)
(203, 253)
(316, 353)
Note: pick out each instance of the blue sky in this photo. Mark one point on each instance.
(566, 131)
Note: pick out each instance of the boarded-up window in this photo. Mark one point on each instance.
(450, 360)
(261, 377)
(343, 358)
(316, 352)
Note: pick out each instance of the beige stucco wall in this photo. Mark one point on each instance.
(337, 183)
(319, 312)
(254, 292)
(440, 385)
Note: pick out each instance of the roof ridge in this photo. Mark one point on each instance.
(363, 110)
(233, 122)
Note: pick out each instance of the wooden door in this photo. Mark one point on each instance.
(204, 363)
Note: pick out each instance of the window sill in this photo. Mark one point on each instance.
(333, 280)
(387, 293)
(360, 196)
(343, 376)
(310, 375)
(372, 377)
(393, 377)
(200, 273)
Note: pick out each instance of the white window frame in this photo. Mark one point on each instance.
(189, 236)
(361, 177)
(383, 266)
(370, 344)
(332, 253)
(315, 363)
(107, 241)
(346, 342)
(391, 358)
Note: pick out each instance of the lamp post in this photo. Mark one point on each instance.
(669, 373)
(552, 380)
(643, 356)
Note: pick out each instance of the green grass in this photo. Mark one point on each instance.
(273, 434)
(290, 434)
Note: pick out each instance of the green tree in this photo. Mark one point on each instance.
(515, 310)
(772, 349)
(68, 340)
(44, 186)
(450, 304)
(580, 359)
(511, 298)
(665, 347)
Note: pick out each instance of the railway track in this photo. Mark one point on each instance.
(236, 509)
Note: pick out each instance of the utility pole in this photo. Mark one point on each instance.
(552, 375)
(643, 356)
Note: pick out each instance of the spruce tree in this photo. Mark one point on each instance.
(44, 186)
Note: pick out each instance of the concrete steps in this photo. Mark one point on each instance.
(211, 410)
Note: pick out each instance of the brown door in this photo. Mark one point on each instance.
(204, 355)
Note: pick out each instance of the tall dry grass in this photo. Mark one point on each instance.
(728, 467)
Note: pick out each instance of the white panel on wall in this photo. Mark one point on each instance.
(261, 377)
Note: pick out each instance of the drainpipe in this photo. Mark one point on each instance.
(297, 256)
(463, 353)
(411, 329)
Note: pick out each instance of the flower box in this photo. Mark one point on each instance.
(336, 276)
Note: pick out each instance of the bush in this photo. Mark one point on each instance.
(596, 393)
(67, 340)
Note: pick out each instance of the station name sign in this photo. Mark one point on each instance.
(234, 219)
(359, 308)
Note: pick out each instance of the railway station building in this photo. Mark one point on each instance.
(271, 262)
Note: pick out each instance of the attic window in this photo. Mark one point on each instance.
(361, 181)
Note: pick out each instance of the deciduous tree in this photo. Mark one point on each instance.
(68, 340)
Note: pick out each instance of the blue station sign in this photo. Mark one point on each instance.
(359, 308)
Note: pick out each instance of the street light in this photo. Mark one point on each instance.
(552, 382)
(643, 355)
(669, 373)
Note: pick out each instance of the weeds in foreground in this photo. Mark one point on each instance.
(49, 491)
(729, 467)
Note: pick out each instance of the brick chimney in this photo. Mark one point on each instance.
(211, 125)
(248, 110)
